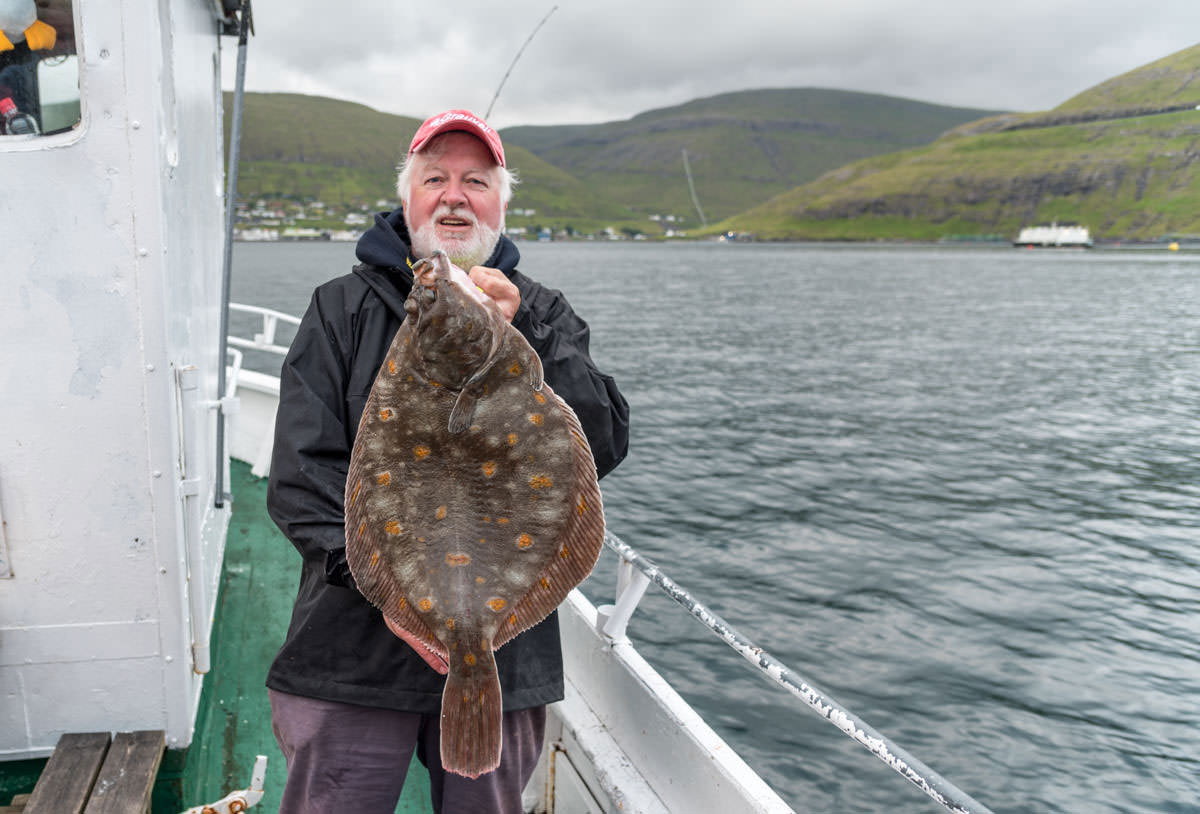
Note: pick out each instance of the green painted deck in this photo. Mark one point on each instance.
(258, 584)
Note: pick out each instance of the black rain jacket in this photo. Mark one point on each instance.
(337, 647)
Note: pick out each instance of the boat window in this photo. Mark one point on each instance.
(39, 69)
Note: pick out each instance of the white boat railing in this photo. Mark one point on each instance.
(265, 339)
(635, 574)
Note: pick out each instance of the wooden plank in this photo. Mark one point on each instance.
(127, 777)
(16, 805)
(69, 775)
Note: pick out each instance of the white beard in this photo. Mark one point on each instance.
(471, 250)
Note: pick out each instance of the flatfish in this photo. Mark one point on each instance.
(472, 505)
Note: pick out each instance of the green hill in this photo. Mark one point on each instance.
(1119, 158)
(742, 147)
(284, 154)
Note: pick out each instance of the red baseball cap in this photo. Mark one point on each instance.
(463, 120)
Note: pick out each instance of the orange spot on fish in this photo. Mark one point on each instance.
(455, 560)
(392, 366)
(524, 541)
(440, 513)
(421, 451)
(497, 604)
(354, 494)
(536, 419)
(374, 557)
(480, 580)
(581, 506)
(385, 414)
(383, 478)
(426, 604)
(539, 398)
(515, 369)
(512, 439)
(469, 659)
(489, 468)
(540, 482)
(502, 521)
(403, 603)
(563, 552)
(450, 624)
(362, 529)
(512, 620)
(392, 527)
(544, 582)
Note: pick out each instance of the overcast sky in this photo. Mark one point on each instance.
(603, 61)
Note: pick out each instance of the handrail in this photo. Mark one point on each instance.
(265, 339)
(231, 177)
(926, 779)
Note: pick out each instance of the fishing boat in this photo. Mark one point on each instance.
(143, 590)
(1054, 236)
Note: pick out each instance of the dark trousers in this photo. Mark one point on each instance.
(344, 757)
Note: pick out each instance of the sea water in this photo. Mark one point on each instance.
(959, 489)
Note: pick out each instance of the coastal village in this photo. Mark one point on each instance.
(266, 220)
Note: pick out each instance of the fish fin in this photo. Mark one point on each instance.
(472, 717)
(536, 375)
(463, 411)
(579, 545)
(464, 406)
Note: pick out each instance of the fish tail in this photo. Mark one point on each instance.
(471, 716)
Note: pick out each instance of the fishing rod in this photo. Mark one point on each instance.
(926, 779)
(511, 65)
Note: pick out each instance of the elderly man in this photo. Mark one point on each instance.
(351, 701)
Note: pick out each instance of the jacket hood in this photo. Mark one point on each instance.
(387, 244)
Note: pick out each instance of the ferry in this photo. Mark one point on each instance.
(1054, 236)
(143, 590)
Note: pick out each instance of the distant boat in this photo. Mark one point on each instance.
(1054, 236)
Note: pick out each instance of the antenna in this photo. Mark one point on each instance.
(504, 79)
(688, 169)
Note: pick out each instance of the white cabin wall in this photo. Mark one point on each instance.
(110, 270)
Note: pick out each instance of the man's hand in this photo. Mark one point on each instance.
(498, 287)
(431, 658)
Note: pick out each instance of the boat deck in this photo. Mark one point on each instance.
(258, 584)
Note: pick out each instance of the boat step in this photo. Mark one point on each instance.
(95, 773)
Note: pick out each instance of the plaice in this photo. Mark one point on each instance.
(472, 504)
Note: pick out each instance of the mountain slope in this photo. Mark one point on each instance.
(1107, 158)
(742, 147)
(300, 147)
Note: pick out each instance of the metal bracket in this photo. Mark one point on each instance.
(238, 801)
(612, 620)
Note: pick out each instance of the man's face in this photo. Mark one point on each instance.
(454, 200)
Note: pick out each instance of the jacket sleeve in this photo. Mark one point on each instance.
(305, 492)
(561, 339)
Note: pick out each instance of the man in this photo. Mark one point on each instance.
(350, 700)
